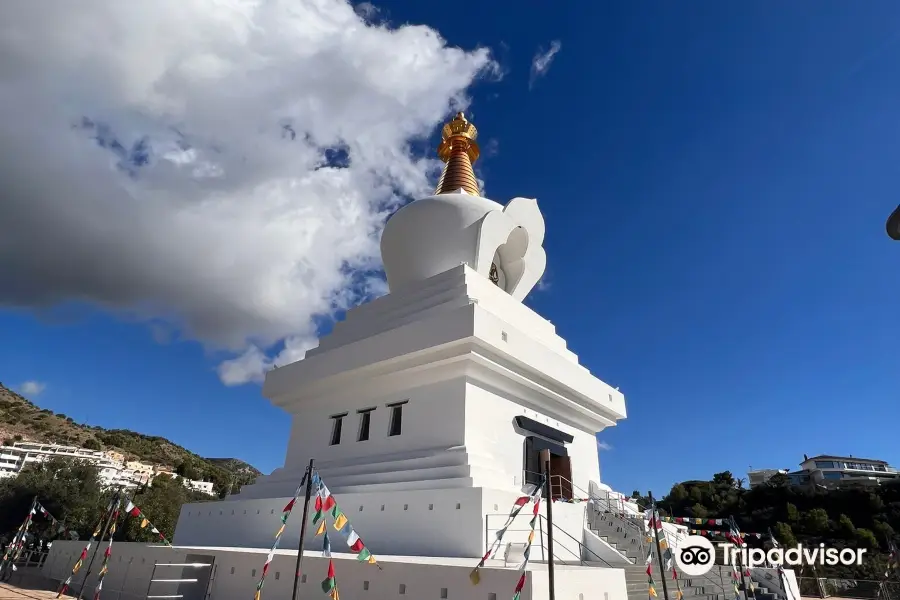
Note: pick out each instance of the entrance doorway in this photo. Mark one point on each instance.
(560, 466)
(560, 477)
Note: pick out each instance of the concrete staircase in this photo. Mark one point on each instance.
(624, 536)
(715, 585)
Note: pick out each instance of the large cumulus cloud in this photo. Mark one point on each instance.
(223, 166)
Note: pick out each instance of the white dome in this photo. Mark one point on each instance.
(432, 235)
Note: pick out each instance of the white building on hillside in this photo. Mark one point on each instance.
(831, 470)
(16, 457)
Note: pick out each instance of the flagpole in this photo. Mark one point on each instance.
(309, 474)
(545, 455)
(654, 522)
(738, 542)
(780, 568)
(112, 510)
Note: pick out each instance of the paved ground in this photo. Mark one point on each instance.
(26, 592)
(11, 592)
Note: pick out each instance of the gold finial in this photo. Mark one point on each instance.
(458, 149)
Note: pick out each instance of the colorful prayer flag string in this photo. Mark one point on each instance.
(537, 508)
(725, 534)
(133, 511)
(651, 590)
(475, 575)
(695, 521)
(57, 527)
(15, 547)
(329, 584)
(285, 513)
(84, 553)
(104, 568)
(326, 504)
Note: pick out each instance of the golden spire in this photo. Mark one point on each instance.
(458, 150)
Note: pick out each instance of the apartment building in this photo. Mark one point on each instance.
(16, 457)
(112, 473)
(828, 470)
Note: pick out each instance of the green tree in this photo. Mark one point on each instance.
(698, 510)
(866, 538)
(161, 503)
(70, 491)
(91, 444)
(846, 525)
(883, 531)
(784, 534)
(816, 521)
(793, 515)
(678, 494)
(724, 479)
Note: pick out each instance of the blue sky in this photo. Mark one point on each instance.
(715, 182)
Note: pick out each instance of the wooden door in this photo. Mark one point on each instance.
(561, 473)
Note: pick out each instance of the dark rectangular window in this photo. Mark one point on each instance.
(365, 420)
(336, 424)
(396, 426)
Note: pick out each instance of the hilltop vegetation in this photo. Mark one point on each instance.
(840, 518)
(21, 419)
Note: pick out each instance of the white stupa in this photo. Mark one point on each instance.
(426, 410)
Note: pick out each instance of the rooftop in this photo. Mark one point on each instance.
(847, 458)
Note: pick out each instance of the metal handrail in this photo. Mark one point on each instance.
(638, 530)
(542, 520)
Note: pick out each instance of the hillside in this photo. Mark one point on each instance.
(21, 419)
(846, 517)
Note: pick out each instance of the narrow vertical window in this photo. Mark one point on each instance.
(396, 425)
(365, 421)
(337, 422)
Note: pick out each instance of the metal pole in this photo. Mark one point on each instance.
(545, 454)
(309, 474)
(113, 507)
(654, 522)
(780, 569)
(541, 529)
(738, 557)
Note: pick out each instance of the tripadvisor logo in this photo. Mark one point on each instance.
(696, 556)
(794, 556)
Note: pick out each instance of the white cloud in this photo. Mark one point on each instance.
(603, 446)
(541, 62)
(32, 388)
(220, 166)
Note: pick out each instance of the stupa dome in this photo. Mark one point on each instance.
(456, 225)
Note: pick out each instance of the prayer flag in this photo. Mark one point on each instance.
(329, 584)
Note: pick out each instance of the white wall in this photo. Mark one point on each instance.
(496, 448)
(434, 416)
(445, 523)
(237, 572)
(607, 584)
